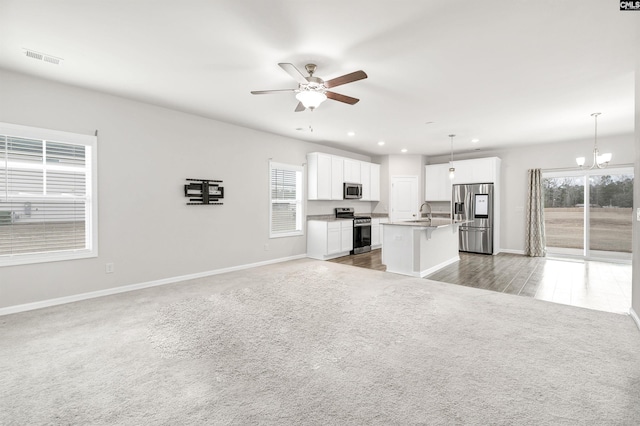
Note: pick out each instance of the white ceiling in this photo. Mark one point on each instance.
(503, 71)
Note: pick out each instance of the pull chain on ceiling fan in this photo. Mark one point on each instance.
(312, 91)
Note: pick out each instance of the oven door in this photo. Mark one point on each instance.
(361, 238)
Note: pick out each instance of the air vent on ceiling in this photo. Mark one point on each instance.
(42, 57)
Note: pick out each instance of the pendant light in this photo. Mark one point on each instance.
(599, 161)
(452, 170)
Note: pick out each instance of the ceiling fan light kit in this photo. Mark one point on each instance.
(312, 91)
(311, 99)
(600, 161)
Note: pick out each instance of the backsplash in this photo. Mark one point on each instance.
(315, 208)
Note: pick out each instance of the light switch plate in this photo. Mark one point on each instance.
(638, 214)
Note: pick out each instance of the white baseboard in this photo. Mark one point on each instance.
(635, 317)
(511, 251)
(123, 289)
(437, 267)
(428, 271)
(328, 257)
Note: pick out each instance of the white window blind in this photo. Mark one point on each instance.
(286, 200)
(47, 181)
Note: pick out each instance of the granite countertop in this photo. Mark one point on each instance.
(332, 217)
(326, 217)
(436, 222)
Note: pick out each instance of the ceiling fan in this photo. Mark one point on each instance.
(312, 91)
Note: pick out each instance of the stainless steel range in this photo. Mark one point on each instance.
(361, 229)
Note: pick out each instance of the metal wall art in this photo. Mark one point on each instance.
(203, 191)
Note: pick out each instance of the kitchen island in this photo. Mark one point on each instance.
(419, 247)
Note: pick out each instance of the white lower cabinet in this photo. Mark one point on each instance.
(376, 231)
(334, 239)
(346, 230)
(329, 239)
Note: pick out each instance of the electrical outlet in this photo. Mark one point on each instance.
(266, 247)
(109, 268)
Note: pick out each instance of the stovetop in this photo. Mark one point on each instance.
(348, 213)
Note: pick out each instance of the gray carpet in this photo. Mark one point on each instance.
(317, 343)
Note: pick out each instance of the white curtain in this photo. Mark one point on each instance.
(535, 244)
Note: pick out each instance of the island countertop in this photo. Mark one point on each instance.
(436, 222)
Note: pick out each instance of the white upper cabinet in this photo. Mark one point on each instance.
(480, 170)
(352, 171)
(438, 184)
(375, 182)
(337, 177)
(365, 180)
(327, 173)
(319, 182)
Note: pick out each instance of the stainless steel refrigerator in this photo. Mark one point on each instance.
(474, 203)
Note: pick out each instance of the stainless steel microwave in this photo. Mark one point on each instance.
(352, 190)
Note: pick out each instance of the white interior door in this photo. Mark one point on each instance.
(404, 198)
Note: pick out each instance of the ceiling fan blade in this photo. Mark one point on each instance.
(293, 72)
(342, 98)
(347, 78)
(265, 92)
(300, 107)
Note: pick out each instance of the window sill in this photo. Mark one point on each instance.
(288, 234)
(26, 259)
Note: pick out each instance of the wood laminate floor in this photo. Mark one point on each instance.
(589, 284)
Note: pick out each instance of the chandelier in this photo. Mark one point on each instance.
(599, 160)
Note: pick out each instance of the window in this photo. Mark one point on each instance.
(286, 200)
(48, 208)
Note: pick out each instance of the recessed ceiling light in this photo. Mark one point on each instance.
(351, 133)
(381, 143)
(475, 140)
(403, 150)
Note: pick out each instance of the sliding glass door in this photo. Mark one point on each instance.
(599, 228)
(610, 214)
(564, 213)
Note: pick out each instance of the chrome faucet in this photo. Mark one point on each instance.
(429, 215)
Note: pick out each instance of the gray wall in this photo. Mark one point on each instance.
(635, 292)
(398, 165)
(145, 154)
(516, 162)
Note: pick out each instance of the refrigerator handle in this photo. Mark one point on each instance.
(469, 208)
